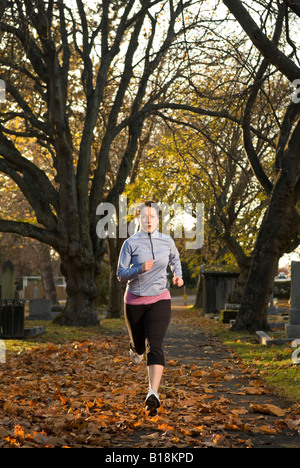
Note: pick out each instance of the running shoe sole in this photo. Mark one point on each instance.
(152, 404)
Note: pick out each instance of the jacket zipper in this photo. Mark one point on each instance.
(149, 234)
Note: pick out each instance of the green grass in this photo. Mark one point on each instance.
(57, 334)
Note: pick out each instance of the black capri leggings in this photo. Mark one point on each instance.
(147, 326)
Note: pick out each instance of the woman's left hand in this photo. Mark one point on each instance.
(177, 281)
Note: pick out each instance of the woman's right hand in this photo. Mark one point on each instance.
(147, 266)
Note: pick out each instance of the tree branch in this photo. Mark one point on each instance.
(16, 160)
(100, 173)
(33, 194)
(294, 5)
(2, 7)
(94, 99)
(153, 108)
(30, 230)
(267, 48)
(250, 150)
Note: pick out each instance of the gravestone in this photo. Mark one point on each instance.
(35, 292)
(292, 329)
(8, 281)
(217, 286)
(40, 309)
(272, 309)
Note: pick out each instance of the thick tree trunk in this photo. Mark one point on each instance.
(81, 291)
(236, 296)
(252, 315)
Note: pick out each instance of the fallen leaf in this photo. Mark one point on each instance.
(254, 390)
(267, 429)
(267, 409)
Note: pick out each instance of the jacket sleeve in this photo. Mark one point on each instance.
(174, 260)
(125, 270)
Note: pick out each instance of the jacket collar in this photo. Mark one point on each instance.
(142, 233)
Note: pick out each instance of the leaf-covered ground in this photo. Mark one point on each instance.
(89, 394)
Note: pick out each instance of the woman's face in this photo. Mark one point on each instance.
(148, 219)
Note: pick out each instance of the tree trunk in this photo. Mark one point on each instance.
(199, 293)
(243, 261)
(47, 274)
(252, 315)
(236, 296)
(280, 227)
(81, 291)
(115, 296)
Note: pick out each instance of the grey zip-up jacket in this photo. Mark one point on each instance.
(141, 247)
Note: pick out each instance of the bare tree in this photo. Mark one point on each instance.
(78, 78)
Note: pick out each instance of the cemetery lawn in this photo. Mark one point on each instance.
(57, 334)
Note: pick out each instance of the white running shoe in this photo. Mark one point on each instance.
(135, 357)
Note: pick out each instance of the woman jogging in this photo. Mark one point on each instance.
(143, 263)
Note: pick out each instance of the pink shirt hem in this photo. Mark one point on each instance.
(133, 299)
